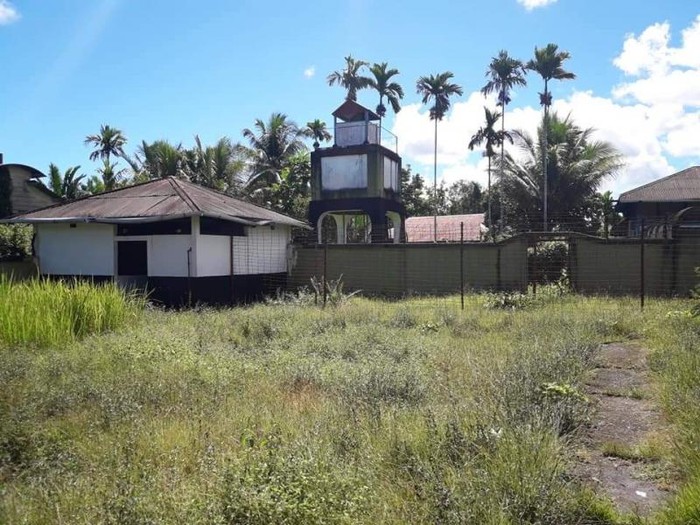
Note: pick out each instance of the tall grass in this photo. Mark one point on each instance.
(49, 313)
(367, 412)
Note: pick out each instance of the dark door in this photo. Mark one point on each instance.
(132, 258)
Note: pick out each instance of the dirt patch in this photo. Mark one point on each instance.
(625, 415)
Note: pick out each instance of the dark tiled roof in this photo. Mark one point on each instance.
(420, 229)
(158, 200)
(679, 187)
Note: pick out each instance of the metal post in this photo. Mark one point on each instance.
(641, 266)
(325, 273)
(534, 269)
(461, 262)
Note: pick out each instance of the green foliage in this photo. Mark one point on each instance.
(15, 242)
(48, 313)
(549, 263)
(695, 294)
(507, 300)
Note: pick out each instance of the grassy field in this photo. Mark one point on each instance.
(363, 412)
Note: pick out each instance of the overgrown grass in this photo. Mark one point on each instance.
(367, 412)
(50, 313)
(676, 339)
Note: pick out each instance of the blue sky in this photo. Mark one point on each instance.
(172, 69)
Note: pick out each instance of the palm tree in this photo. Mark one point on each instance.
(109, 174)
(272, 145)
(350, 77)
(492, 138)
(317, 130)
(504, 73)
(219, 166)
(438, 89)
(577, 166)
(548, 64)
(66, 185)
(385, 88)
(156, 160)
(109, 141)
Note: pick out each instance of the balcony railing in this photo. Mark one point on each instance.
(357, 133)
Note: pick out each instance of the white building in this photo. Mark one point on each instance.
(183, 241)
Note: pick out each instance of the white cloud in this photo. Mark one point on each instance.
(653, 118)
(8, 13)
(534, 4)
(310, 71)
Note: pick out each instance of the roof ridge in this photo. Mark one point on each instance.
(657, 181)
(182, 193)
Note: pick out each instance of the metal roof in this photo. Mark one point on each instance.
(157, 200)
(679, 187)
(420, 229)
(35, 173)
(351, 111)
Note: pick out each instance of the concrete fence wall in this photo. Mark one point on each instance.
(595, 266)
(399, 269)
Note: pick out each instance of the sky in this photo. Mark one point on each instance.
(173, 69)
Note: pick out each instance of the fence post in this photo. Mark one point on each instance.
(534, 269)
(461, 262)
(325, 273)
(641, 266)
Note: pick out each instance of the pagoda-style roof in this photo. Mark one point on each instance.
(351, 111)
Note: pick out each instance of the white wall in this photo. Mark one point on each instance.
(167, 255)
(86, 249)
(264, 250)
(213, 256)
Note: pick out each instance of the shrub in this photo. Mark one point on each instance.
(15, 242)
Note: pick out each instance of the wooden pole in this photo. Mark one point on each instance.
(461, 262)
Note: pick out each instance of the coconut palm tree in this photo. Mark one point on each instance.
(438, 89)
(350, 77)
(272, 145)
(317, 130)
(219, 166)
(109, 141)
(109, 174)
(548, 64)
(492, 138)
(504, 73)
(156, 160)
(577, 166)
(386, 88)
(66, 185)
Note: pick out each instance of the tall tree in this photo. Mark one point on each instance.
(382, 83)
(107, 143)
(492, 138)
(548, 64)
(504, 73)
(413, 193)
(66, 185)
(350, 78)
(272, 145)
(317, 130)
(437, 89)
(465, 197)
(219, 166)
(156, 160)
(110, 175)
(577, 165)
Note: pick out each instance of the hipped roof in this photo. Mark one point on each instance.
(157, 200)
(679, 187)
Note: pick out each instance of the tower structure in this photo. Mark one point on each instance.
(357, 177)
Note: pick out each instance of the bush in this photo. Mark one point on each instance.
(15, 242)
